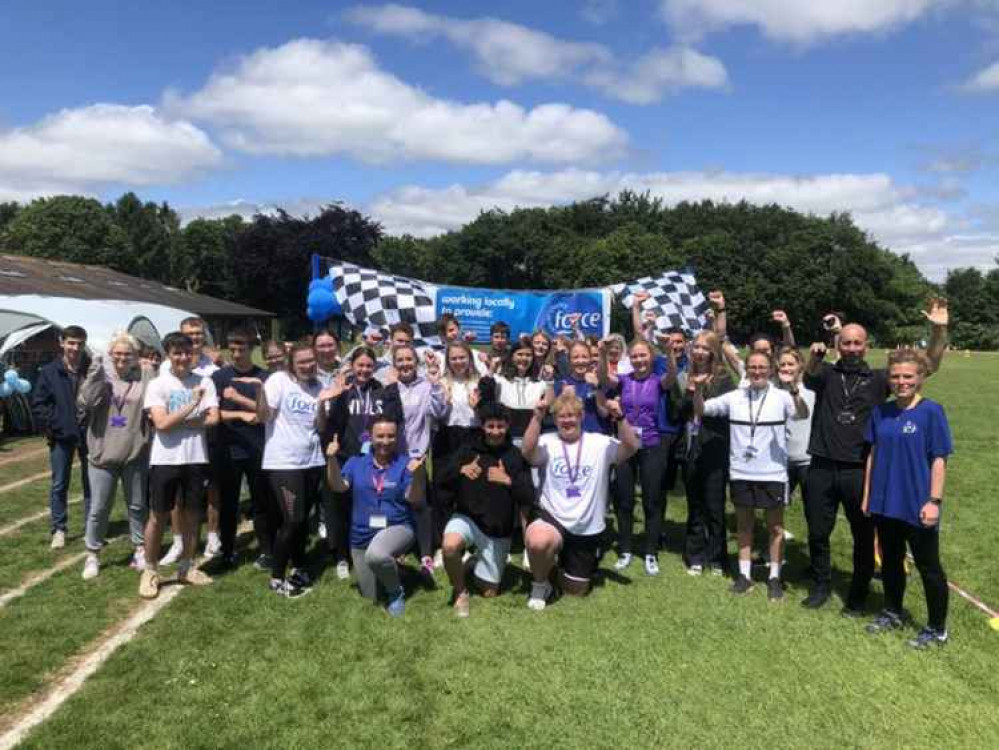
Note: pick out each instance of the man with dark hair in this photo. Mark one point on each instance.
(182, 406)
(241, 448)
(491, 483)
(499, 338)
(54, 407)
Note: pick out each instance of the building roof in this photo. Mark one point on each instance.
(20, 275)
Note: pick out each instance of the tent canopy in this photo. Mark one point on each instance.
(101, 318)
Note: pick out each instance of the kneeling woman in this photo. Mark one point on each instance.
(384, 486)
(490, 483)
(758, 413)
(576, 466)
(903, 489)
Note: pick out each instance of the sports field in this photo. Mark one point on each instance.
(672, 661)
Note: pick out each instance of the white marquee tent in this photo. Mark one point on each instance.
(26, 315)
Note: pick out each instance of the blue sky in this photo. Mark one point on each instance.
(423, 114)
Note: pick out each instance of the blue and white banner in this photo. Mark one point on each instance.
(369, 298)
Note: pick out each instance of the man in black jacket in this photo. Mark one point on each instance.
(54, 407)
(491, 486)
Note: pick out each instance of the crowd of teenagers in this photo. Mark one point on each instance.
(454, 455)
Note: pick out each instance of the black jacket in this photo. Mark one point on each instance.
(53, 401)
(491, 505)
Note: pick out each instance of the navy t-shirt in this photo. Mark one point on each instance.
(592, 421)
(905, 444)
(664, 421)
(239, 439)
(364, 479)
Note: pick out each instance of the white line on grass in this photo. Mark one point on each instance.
(30, 519)
(87, 666)
(26, 480)
(23, 456)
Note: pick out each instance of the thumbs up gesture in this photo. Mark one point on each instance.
(472, 470)
(498, 475)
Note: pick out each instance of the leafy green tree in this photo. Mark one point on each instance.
(203, 259)
(153, 232)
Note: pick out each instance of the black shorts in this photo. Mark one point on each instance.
(761, 495)
(578, 555)
(184, 485)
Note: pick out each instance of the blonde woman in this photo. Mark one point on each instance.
(118, 433)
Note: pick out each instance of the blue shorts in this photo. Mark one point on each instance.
(490, 552)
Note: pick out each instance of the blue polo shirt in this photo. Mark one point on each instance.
(364, 478)
(906, 442)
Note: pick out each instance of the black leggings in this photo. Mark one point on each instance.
(705, 479)
(925, 544)
(649, 464)
(296, 492)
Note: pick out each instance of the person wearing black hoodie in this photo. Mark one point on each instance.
(491, 484)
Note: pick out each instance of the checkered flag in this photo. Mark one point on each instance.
(377, 300)
(674, 298)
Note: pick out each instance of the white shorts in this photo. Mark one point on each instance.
(490, 552)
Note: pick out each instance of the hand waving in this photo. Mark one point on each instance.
(937, 314)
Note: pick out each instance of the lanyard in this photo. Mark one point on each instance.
(754, 420)
(119, 403)
(848, 392)
(573, 474)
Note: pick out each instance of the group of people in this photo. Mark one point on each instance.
(453, 453)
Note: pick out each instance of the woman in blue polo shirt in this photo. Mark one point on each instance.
(903, 489)
(384, 486)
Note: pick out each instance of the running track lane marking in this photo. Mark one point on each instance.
(26, 480)
(23, 457)
(44, 707)
(37, 517)
(33, 580)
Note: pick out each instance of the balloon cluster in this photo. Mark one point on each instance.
(13, 384)
(322, 304)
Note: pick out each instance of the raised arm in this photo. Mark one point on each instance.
(815, 357)
(333, 474)
(786, 334)
(629, 442)
(416, 494)
(530, 445)
(636, 313)
(939, 318)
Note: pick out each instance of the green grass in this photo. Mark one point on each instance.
(668, 662)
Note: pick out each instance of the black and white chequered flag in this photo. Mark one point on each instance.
(674, 298)
(378, 300)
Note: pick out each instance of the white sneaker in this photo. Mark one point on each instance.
(540, 594)
(695, 570)
(175, 552)
(138, 559)
(58, 540)
(91, 566)
(439, 559)
(651, 565)
(322, 530)
(525, 563)
(343, 570)
(623, 561)
(213, 546)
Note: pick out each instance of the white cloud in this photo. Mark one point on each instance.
(797, 21)
(509, 54)
(877, 204)
(315, 98)
(78, 150)
(984, 81)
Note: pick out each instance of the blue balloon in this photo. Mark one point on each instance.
(23, 386)
(10, 378)
(5, 389)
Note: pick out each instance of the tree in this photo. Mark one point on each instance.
(203, 260)
(7, 213)
(271, 260)
(153, 232)
(70, 228)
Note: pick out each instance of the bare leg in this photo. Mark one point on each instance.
(453, 548)
(543, 542)
(212, 515)
(745, 518)
(189, 519)
(775, 524)
(153, 536)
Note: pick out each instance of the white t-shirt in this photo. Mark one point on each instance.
(182, 445)
(582, 515)
(291, 440)
(461, 414)
(758, 455)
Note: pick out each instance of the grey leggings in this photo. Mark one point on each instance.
(103, 483)
(375, 567)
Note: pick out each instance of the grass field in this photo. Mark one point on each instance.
(672, 661)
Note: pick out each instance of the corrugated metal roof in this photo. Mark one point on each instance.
(20, 274)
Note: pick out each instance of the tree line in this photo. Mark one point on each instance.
(763, 257)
